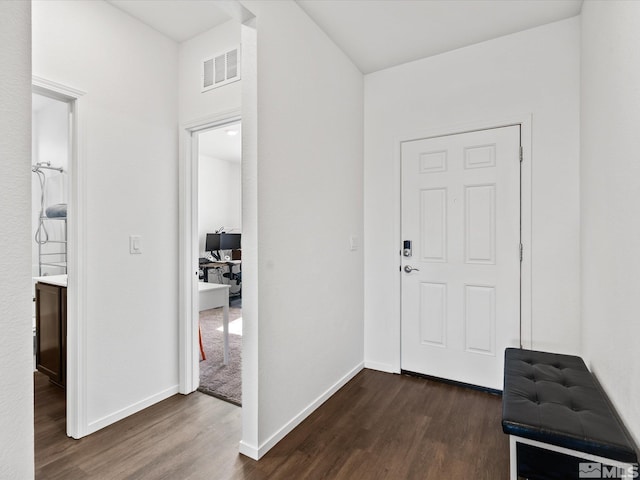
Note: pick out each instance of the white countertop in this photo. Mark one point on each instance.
(204, 286)
(58, 280)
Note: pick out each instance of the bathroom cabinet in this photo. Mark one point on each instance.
(51, 331)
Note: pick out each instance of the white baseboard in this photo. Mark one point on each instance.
(250, 451)
(258, 453)
(381, 367)
(130, 410)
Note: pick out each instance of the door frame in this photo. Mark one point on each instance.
(76, 376)
(188, 246)
(525, 123)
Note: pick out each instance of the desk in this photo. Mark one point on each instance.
(221, 264)
(214, 295)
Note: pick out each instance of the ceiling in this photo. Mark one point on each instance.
(381, 34)
(179, 20)
(219, 144)
(375, 34)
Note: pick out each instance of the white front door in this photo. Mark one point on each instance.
(461, 212)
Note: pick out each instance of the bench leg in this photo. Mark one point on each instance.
(626, 470)
(513, 458)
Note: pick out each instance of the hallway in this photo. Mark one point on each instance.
(378, 426)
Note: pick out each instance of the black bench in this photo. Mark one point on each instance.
(560, 422)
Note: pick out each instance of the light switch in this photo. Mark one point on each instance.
(353, 242)
(135, 244)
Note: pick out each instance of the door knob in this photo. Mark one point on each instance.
(409, 269)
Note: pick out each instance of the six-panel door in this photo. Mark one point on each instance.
(461, 209)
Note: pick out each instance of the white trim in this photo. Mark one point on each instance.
(525, 122)
(131, 409)
(380, 367)
(513, 457)
(257, 453)
(526, 234)
(56, 90)
(250, 451)
(213, 120)
(189, 371)
(76, 378)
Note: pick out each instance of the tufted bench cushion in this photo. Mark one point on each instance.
(553, 398)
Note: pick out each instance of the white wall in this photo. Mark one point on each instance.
(533, 72)
(16, 364)
(129, 153)
(309, 185)
(219, 197)
(250, 331)
(219, 182)
(194, 104)
(50, 144)
(610, 183)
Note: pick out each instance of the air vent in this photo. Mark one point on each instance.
(221, 69)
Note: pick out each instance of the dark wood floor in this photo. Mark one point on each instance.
(379, 426)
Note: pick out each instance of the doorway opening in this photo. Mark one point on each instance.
(57, 254)
(50, 196)
(211, 253)
(219, 219)
(49, 246)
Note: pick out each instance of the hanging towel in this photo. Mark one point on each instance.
(58, 210)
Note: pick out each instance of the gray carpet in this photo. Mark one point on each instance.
(216, 379)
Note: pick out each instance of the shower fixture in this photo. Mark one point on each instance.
(45, 165)
(41, 236)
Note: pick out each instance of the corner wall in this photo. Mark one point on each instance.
(532, 72)
(309, 184)
(129, 153)
(610, 183)
(16, 343)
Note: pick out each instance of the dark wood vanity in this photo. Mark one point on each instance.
(51, 331)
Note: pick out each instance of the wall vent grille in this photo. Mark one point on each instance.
(221, 69)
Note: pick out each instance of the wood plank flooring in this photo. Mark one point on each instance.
(379, 426)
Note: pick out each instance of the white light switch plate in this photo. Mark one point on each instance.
(135, 244)
(353, 242)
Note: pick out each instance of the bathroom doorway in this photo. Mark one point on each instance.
(57, 253)
(50, 162)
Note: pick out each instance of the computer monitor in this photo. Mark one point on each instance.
(212, 243)
(230, 241)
